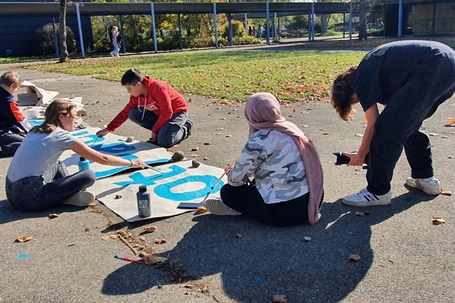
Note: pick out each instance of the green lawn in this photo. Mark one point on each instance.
(233, 75)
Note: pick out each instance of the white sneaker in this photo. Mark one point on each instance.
(81, 199)
(430, 186)
(365, 198)
(217, 207)
(112, 54)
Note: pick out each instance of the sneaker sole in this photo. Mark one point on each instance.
(366, 203)
(219, 208)
(81, 199)
(417, 185)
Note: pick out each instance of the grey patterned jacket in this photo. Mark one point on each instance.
(273, 160)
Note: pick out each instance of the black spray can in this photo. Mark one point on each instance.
(144, 205)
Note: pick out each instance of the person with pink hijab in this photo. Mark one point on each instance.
(277, 178)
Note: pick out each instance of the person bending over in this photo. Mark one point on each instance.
(411, 79)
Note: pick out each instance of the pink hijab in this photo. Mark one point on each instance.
(263, 111)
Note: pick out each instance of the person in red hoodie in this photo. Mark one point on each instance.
(154, 105)
(13, 125)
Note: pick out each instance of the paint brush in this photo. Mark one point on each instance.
(217, 181)
(94, 141)
(151, 167)
(129, 259)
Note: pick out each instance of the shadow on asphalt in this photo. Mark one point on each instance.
(258, 261)
(10, 214)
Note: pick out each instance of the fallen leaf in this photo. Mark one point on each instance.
(279, 299)
(437, 220)
(220, 129)
(149, 229)
(201, 209)
(207, 143)
(105, 237)
(24, 238)
(195, 148)
(160, 240)
(228, 136)
(358, 135)
(52, 216)
(87, 229)
(433, 134)
(354, 258)
(450, 121)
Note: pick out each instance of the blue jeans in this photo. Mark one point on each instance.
(116, 49)
(36, 193)
(9, 143)
(172, 132)
(400, 124)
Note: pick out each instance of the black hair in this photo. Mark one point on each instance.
(132, 77)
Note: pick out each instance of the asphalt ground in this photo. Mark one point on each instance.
(404, 257)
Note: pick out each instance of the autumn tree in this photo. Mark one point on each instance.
(63, 49)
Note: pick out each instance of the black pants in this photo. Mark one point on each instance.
(247, 200)
(400, 124)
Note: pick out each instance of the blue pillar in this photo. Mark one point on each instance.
(215, 25)
(267, 23)
(400, 18)
(350, 21)
(231, 43)
(152, 7)
(80, 30)
(312, 21)
(55, 37)
(123, 36)
(180, 31)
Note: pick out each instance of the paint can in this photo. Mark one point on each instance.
(143, 202)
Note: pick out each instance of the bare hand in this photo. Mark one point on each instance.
(137, 163)
(153, 137)
(356, 159)
(228, 169)
(102, 133)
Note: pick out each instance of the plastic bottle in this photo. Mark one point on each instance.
(83, 164)
(143, 202)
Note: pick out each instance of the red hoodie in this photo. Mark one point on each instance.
(162, 99)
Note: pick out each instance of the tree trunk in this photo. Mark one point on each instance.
(63, 49)
(362, 21)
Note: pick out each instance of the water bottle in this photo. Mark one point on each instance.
(83, 164)
(143, 202)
